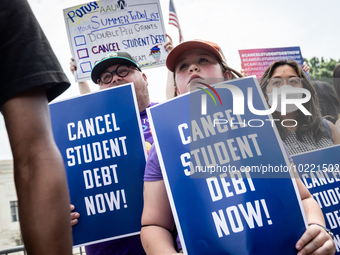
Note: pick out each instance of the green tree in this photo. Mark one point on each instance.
(321, 69)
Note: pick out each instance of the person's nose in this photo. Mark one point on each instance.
(115, 80)
(193, 67)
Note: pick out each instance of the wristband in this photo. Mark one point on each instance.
(324, 228)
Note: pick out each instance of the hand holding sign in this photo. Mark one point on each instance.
(97, 140)
(74, 216)
(169, 45)
(315, 239)
(319, 171)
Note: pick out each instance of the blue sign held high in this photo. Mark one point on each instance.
(103, 148)
(227, 176)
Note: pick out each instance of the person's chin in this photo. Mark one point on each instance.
(197, 83)
(211, 81)
(201, 83)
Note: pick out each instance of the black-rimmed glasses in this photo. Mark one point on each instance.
(122, 71)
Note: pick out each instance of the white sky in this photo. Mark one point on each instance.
(233, 25)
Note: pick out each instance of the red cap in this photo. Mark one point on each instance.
(180, 49)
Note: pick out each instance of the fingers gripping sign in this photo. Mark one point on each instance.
(315, 240)
(168, 45)
(73, 66)
(74, 216)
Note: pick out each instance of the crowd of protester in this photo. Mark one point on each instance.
(39, 173)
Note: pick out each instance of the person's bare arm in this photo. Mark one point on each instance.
(170, 82)
(337, 125)
(315, 240)
(84, 87)
(157, 220)
(39, 174)
(334, 132)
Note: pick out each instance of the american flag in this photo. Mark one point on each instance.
(173, 20)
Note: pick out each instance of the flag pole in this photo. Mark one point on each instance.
(173, 19)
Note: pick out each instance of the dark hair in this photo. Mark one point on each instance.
(336, 80)
(328, 101)
(311, 125)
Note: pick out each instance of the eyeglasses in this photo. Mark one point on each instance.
(122, 71)
(278, 82)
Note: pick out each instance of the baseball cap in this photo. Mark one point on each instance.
(111, 59)
(191, 45)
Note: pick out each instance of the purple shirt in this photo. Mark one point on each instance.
(153, 171)
(129, 245)
(146, 128)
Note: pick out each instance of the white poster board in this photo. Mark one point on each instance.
(97, 28)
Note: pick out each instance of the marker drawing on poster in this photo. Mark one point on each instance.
(97, 28)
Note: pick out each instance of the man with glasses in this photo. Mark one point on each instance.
(120, 68)
(114, 70)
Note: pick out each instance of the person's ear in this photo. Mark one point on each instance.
(227, 75)
(145, 79)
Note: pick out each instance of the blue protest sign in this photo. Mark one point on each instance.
(319, 171)
(227, 175)
(100, 138)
